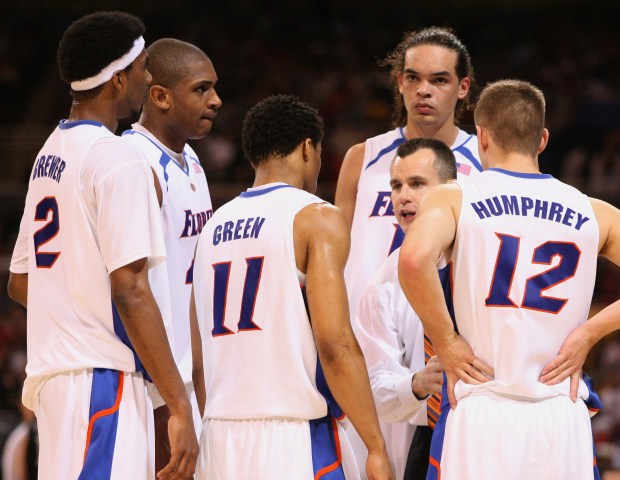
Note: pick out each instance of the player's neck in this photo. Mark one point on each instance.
(514, 162)
(162, 133)
(91, 110)
(447, 132)
(273, 172)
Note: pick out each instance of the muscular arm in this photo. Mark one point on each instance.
(346, 188)
(428, 237)
(142, 320)
(322, 247)
(17, 288)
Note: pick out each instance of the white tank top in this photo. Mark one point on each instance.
(375, 232)
(524, 265)
(260, 359)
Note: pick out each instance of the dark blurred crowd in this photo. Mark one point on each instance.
(326, 53)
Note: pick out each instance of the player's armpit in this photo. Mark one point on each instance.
(346, 188)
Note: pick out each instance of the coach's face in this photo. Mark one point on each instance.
(410, 179)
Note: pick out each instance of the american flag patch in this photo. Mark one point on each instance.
(463, 168)
(197, 168)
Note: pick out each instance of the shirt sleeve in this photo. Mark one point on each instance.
(19, 260)
(127, 215)
(380, 340)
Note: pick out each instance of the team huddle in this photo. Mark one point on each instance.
(431, 324)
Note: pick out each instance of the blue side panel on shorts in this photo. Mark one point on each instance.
(120, 331)
(434, 469)
(326, 455)
(106, 393)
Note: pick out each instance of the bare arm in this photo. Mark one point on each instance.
(198, 376)
(17, 288)
(322, 230)
(428, 237)
(142, 320)
(346, 188)
(575, 348)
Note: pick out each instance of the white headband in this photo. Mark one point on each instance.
(106, 74)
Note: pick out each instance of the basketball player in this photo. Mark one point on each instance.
(182, 104)
(523, 248)
(270, 295)
(432, 76)
(389, 332)
(90, 229)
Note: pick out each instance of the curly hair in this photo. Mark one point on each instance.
(94, 41)
(277, 125)
(438, 36)
(169, 59)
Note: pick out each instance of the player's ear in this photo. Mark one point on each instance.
(483, 138)
(464, 85)
(544, 140)
(160, 96)
(307, 149)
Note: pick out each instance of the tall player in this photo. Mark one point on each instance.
(524, 248)
(432, 76)
(389, 332)
(90, 229)
(182, 104)
(270, 295)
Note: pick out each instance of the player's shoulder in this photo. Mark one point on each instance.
(322, 218)
(110, 153)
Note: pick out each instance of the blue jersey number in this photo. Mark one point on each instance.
(46, 232)
(254, 268)
(533, 299)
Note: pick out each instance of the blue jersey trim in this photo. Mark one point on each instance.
(534, 176)
(466, 152)
(66, 124)
(120, 331)
(395, 144)
(326, 461)
(256, 193)
(165, 159)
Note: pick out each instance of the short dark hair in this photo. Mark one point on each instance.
(94, 41)
(514, 113)
(445, 162)
(438, 36)
(277, 125)
(169, 58)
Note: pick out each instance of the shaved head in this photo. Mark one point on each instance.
(169, 59)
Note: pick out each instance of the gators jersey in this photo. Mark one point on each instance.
(524, 265)
(186, 207)
(375, 232)
(260, 359)
(91, 208)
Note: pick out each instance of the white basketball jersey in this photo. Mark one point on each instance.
(375, 232)
(90, 209)
(186, 207)
(524, 264)
(260, 359)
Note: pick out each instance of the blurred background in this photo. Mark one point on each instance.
(326, 52)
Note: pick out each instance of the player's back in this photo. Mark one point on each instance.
(259, 354)
(524, 264)
(72, 245)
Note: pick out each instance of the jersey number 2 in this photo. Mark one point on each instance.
(254, 268)
(46, 232)
(533, 299)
